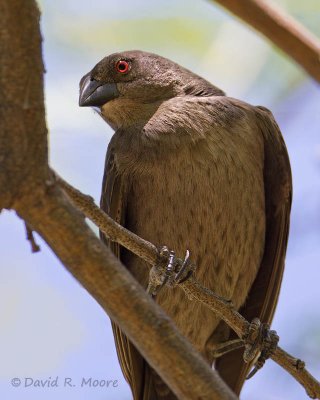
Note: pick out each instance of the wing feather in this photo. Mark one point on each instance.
(113, 201)
(264, 293)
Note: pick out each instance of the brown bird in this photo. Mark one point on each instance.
(190, 168)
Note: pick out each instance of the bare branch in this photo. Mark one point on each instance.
(281, 29)
(192, 287)
(34, 246)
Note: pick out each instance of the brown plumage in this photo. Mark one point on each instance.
(190, 168)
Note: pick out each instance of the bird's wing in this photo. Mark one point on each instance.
(113, 201)
(264, 293)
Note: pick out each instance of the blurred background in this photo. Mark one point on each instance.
(51, 327)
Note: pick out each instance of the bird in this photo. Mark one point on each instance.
(190, 168)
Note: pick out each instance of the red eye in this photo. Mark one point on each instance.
(122, 66)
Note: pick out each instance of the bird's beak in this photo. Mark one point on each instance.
(94, 93)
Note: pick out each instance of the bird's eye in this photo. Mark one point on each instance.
(122, 66)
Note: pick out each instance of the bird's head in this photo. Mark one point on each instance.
(128, 87)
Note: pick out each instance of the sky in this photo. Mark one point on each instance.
(52, 329)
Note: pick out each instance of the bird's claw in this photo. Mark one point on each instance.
(169, 271)
(260, 342)
(224, 348)
(186, 269)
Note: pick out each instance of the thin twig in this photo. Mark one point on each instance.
(283, 30)
(193, 289)
(34, 246)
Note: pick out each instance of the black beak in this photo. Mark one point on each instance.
(94, 93)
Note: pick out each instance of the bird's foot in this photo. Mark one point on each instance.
(226, 347)
(170, 271)
(260, 342)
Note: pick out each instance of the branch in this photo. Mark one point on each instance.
(281, 29)
(192, 287)
(26, 186)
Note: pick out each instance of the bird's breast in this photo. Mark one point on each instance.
(208, 199)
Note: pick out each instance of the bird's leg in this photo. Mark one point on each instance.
(226, 347)
(169, 271)
(260, 342)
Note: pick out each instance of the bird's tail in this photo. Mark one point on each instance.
(145, 383)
